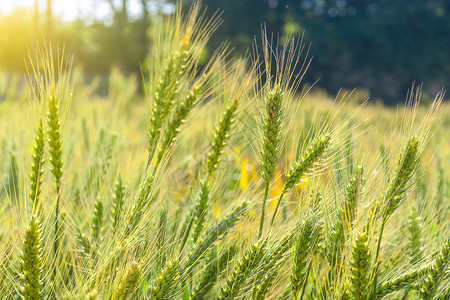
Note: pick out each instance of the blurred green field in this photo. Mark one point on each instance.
(166, 235)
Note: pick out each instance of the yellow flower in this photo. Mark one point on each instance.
(217, 211)
(243, 179)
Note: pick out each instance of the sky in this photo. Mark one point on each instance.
(70, 10)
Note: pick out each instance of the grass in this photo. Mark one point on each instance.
(109, 200)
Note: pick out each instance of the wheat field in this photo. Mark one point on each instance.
(227, 180)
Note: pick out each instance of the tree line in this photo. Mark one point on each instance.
(378, 45)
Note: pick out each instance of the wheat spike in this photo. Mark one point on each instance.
(129, 283)
(31, 261)
(200, 210)
(138, 208)
(215, 232)
(166, 281)
(55, 150)
(180, 114)
(165, 92)
(302, 165)
(360, 268)
(414, 237)
(208, 277)
(118, 201)
(37, 165)
(221, 135)
(306, 242)
(405, 170)
(435, 273)
(97, 219)
(241, 271)
(345, 217)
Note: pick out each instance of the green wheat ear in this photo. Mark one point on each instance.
(200, 210)
(54, 140)
(242, 270)
(305, 244)
(221, 135)
(209, 276)
(435, 273)
(396, 192)
(345, 217)
(31, 261)
(55, 150)
(271, 142)
(129, 283)
(141, 202)
(165, 92)
(302, 165)
(414, 237)
(360, 268)
(181, 112)
(271, 133)
(398, 186)
(214, 233)
(118, 201)
(97, 219)
(164, 284)
(37, 164)
(305, 162)
(402, 281)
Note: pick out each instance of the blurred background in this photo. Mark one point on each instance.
(376, 46)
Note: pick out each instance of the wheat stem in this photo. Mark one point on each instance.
(263, 210)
